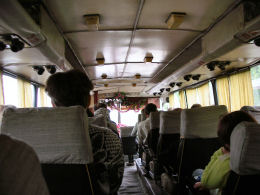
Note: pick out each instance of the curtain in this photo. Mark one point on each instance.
(191, 97)
(1, 89)
(43, 97)
(223, 92)
(25, 94)
(241, 90)
(171, 100)
(182, 99)
(203, 92)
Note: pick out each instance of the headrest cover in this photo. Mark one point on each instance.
(98, 120)
(20, 169)
(2, 109)
(58, 135)
(245, 149)
(201, 122)
(126, 131)
(254, 111)
(155, 120)
(170, 122)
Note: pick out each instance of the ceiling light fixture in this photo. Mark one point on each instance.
(179, 84)
(100, 60)
(51, 69)
(134, 84)
(39, 69)
(196, 77)
(172, 84)
(175, 19)
(92, 21)
(187, 77)
(137, 76)
(148, 59)
(168, 89)
(104, 76)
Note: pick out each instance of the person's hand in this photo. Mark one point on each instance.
(197, 185)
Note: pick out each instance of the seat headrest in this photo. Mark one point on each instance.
(245, 149)
(154, 120)
(2, 109)
(20, 168)
(126, 131)
(201, 122)
(98, 120)
(170, 122)
(58, 135)
(252, 110)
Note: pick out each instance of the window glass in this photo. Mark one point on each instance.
(177, 100)
(10, 90)
(255, 75)
(43, 103)
(129, 118)
(114, 115)
(211, 94)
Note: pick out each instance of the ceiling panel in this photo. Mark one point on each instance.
(162, 45)
(114, 14)
(200, 14)
(112, 46)
(145, 69)
(25, 56)
(112, 71)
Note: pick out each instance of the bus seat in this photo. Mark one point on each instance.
(153, 134)
(2, 109)
(61, 140)
(20, 169)
(198, 139)
(168, 145)
(253, 110)
(126, 131)
(129, 143)
(244, 176)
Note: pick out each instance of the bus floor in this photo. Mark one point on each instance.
(132, 183)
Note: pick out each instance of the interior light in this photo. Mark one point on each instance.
(92, 21)
(148, 59)
(162, 89)
(106, 85)
(196, 77)
(134, 84)
(100, 60)
(187, 77)
(104, 76)
(137, 76)
(39, 69)
(172, 84)
(16, 45)
(51, 69)
(179, 84)
(175, 19)
(2, 46)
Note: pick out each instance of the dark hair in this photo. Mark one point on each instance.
(69, 88)
(195, 106)
(229, 121)
(100, 105)
(150, 108)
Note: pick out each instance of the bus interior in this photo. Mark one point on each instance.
(172, 53)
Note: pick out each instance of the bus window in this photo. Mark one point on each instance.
(10, 87)
(114, 115)
(43, 100)
(255, 75)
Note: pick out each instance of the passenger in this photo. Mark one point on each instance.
(216, 173)
(135, 129)
(101, 108)
(144, 126)
(195, 106)
(72, 88)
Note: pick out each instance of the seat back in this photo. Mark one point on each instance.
(169, 138)
(20, 169)
(61, 140)
(153, 134)
(244, 160)
(198, 138)
(252, 110)
(126, 131)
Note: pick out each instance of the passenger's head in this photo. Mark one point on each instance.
(69, 88)
(177, 109)
(195, 106)
(150, 108)
(100, 105)
(228, 122)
